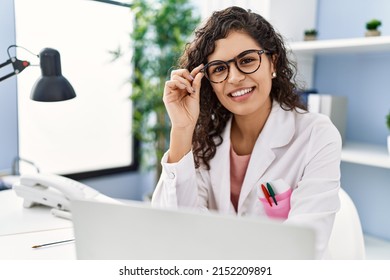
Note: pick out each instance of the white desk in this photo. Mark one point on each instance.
(21, 228)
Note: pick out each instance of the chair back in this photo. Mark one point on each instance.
(347, 241)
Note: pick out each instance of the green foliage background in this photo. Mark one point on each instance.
(161, 30)
(388, 121)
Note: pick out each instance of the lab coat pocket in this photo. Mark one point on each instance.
(281, 210)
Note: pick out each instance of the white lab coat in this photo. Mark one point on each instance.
(302, 149)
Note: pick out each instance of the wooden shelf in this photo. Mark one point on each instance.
(366, 154)
(339, 46)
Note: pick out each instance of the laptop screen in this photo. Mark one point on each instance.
(137, 231)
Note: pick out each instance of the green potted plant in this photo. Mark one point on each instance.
(372, 28)
(161, 29)
(310, 34)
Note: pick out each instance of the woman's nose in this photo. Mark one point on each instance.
(235, 75)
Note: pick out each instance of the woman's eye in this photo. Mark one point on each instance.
(218, 69)
(247, 60)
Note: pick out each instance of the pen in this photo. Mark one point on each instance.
(52, 243)
(266, 194)
(271, 193)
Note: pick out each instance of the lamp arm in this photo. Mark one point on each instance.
(5, 63)
(18, 65)
(8, 75)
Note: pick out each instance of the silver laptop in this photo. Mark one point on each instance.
(139, 231)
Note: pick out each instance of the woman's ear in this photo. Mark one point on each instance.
(273, 60)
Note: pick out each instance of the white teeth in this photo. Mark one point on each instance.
(241, 92)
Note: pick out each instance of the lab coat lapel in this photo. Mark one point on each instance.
(261, 158)
(277, 132)
(220, 175)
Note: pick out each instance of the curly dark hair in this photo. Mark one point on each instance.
(213, 116)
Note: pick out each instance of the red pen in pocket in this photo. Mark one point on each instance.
(266, 194)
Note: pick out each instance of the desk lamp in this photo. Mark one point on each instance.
(51, 86)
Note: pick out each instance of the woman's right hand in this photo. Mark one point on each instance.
(181, 97)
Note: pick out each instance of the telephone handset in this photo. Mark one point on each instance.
(52, 190)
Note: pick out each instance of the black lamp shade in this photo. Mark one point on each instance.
(51, 86)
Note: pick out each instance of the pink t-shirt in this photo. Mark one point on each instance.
(238, 166)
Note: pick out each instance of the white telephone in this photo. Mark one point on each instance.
(54, 191)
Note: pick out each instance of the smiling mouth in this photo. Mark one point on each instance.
(241, 92)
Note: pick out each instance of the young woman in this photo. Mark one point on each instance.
(241, 141)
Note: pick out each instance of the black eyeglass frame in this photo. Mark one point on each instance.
(234, 59)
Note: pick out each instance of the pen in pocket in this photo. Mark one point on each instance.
(271, 193)
(266, 194)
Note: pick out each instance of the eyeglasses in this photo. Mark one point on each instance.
(247, 62)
